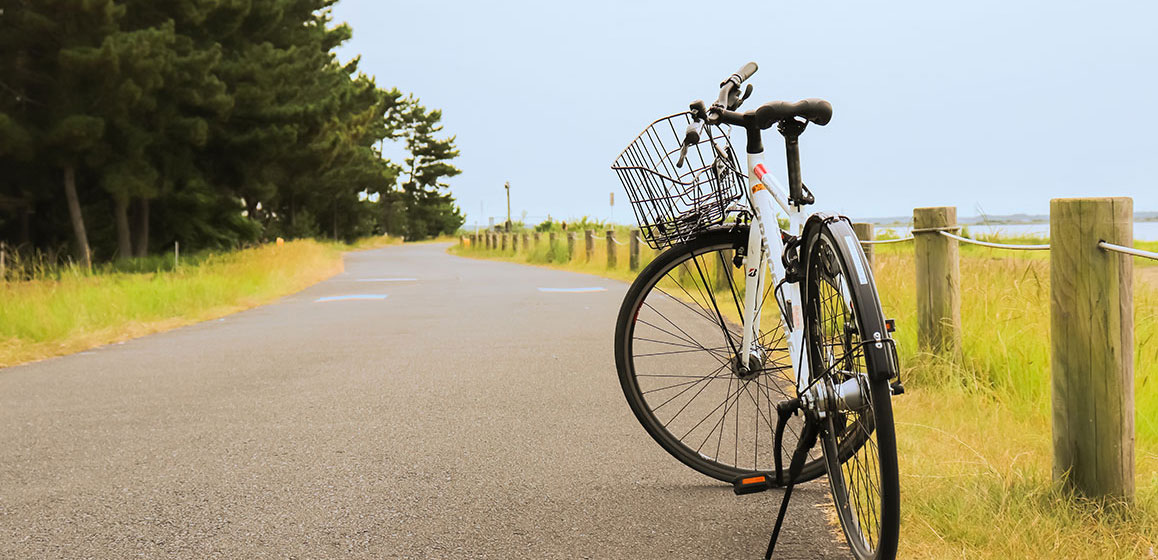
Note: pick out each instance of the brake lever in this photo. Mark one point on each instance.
(691, 137)
(735, 101)
(683, 155)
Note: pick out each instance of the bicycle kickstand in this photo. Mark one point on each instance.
(759, 483)
(807, 440)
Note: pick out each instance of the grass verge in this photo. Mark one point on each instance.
(974, 436)
(67, 310)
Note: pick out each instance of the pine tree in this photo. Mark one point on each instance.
(211, 122)
(429, 210)
(58, 81)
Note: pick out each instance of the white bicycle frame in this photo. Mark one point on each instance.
(766, 251)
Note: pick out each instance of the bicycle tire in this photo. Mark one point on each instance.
(859, 443)
(652, 319)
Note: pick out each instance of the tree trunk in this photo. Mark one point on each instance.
(83, 255)
(142, 227)
(124, 239)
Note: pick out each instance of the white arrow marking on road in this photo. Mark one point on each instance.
(572, 290)
(350, 297)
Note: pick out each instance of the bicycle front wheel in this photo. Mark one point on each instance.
(675, 345)
(843, 319)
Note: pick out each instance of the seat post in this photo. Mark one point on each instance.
(791, 130)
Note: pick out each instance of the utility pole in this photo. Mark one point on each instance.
(507, 186)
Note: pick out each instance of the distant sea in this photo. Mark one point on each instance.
(1143, 231)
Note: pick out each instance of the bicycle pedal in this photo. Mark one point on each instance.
(897, 387)
(891, 325)
(751, 484)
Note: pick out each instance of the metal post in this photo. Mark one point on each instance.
(176, 254)
(507, 186)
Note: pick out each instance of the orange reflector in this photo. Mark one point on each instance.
(757, 187)
(753, 480)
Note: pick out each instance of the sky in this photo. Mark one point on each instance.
(994, 107)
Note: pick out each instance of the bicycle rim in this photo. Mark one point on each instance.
(675, 345)
(859, 444)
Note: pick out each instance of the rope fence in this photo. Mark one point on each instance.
(884, 241)
(1092, 326)
(1011, 246)
(1091, 314)
(1127, 250)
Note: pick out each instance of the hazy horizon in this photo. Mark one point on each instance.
(989, 106)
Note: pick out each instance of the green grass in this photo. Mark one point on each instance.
(974, 435)
(63, 309)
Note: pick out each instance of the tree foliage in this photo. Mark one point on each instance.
(213, 123)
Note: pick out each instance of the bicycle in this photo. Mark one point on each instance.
(725, 385)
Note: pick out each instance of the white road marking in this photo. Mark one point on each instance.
(386, 280)
(350, 297)
(572, 290)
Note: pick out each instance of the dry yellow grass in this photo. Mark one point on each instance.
(58, 315)
(974, 436)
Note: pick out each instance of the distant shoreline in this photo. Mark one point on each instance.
(1007, 220)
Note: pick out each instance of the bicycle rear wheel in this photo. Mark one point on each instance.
(844, 319)
(675, 343)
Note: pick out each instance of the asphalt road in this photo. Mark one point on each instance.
(467, 414)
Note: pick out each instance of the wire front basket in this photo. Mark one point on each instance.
(673, 204)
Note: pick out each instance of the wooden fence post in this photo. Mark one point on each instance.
(865, 232)
(526, 246)
(938, 280)
(536, 237)
(612, 250)
(589, 244)
(570, 245)
(515, 243)
(633, 250)
(724, 269)
(1092, 334)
